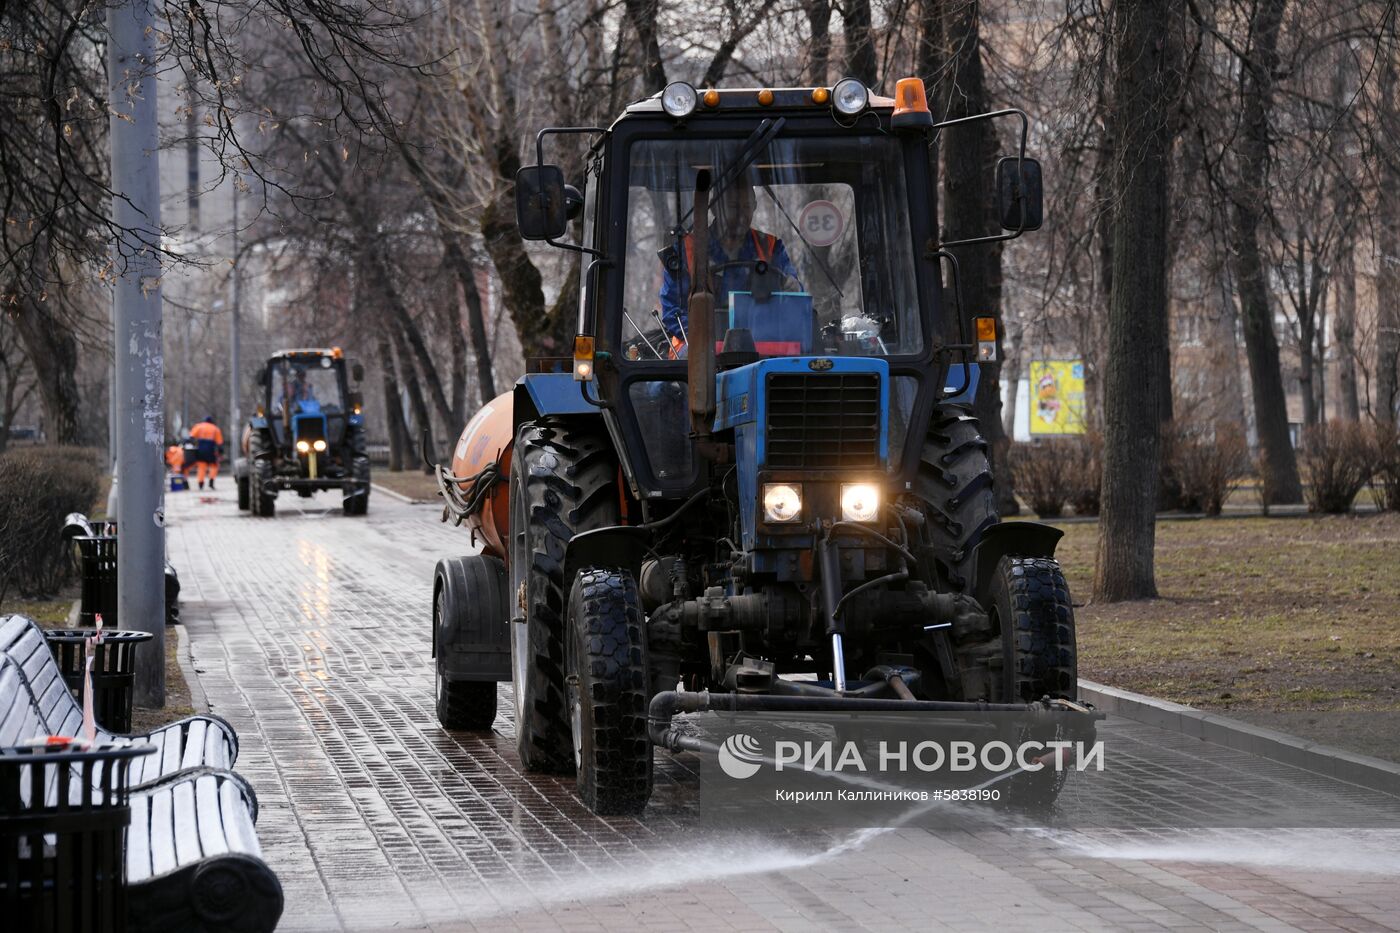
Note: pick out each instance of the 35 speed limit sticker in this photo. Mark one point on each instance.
(821, 223)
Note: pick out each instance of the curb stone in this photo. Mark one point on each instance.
(397, 496)
(1363, 770)
(198, 698)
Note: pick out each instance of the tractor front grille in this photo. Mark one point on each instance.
(827, 421)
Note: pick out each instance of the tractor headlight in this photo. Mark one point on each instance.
(849, 97)
(303, 447)
(318, 445)
(860, 502)
(679, 99)
(782, 502)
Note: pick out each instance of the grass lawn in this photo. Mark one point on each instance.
(412, 483)
(1267, 615)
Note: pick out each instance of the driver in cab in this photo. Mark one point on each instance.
(298, 390)
(736, 248)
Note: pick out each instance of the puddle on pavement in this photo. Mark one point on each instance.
(1328, 850)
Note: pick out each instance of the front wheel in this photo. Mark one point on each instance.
(1030, 604)
(244, 494)
(605, 661)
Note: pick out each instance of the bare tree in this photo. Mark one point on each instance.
(1146, 38)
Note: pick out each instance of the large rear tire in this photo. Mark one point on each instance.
(563, 481)
(607, 685)
(955, 484)
(356, 500)
(260, 453)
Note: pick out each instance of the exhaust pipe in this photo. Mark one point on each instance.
(700, 347)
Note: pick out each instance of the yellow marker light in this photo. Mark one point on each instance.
(712, 98)
(860, 502)
(782, 502)
(337, 352)
(583, 358)
(765, 97)
(303, 447)
(318, 445)
(986, 338)
(821, 95)
(910, 105)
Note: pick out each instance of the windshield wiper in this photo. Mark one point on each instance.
(811, 250)
(755, 143)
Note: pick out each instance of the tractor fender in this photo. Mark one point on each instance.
(621, 547)
(1024, 539)
(541, 395)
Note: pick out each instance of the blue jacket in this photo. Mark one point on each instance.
(675, 288)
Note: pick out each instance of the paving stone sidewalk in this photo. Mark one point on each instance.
(310, 633)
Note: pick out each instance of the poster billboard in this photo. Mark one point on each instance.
(1056, 397)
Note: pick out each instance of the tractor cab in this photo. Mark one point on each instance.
(827, 336)
(307, 399)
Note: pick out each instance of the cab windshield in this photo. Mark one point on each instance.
(810, 250)
(298, 382)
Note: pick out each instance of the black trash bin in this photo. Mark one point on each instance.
(97, 554)
(63, 820)
(113, 670)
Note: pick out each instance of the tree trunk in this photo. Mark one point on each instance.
(421, 415)
(642, 13)
(408, 329)
(969, 155)
(860, 43)
(1145, 90)
(1344, 331)
(541, 334)
(819, 47)
(476, 317)
(1387, 401)
(393, 408)
(1261, 343)
(52, 349)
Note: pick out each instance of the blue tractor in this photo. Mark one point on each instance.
(308, 433)
(759, 478)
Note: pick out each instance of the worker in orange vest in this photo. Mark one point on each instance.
(209, 444)
(736, 251)
(175, 458)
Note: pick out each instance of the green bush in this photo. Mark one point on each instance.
(39, 487)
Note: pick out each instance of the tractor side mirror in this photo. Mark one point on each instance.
(541, 202)
(357, 372)
(1019, 194)
(262, 378)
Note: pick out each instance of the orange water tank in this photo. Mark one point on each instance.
(488, 439)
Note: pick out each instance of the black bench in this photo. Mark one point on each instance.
(191, 859)
(197, 741)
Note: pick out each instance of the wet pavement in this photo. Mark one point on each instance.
(310, 634)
